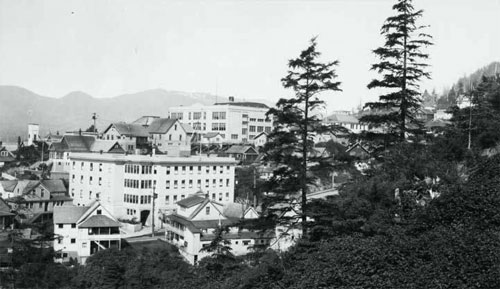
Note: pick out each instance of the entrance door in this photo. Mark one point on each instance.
(144, 216)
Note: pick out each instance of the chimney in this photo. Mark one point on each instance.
(231, 99)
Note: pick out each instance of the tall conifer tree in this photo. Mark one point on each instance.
(402, 68)
(290, 146)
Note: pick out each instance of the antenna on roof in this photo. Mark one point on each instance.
(94, 118)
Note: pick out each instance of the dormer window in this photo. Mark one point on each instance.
(99, 212)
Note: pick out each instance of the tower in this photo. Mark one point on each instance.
(33, 133)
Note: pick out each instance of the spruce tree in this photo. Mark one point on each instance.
(290, 146)
(402, 68)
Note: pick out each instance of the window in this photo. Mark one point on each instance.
(268, 129)
(90, 180)
(100, 181)
(175, 198)
(234, 136)
(81, 179)
(84, 245)
(227, 197)
(214, 183)
(183, 170)
(246, 242)
(91, 166)
(221, 169)
(100, 167)
(167, 185)
(260, 129)
(61, 226)
(260, 120)
(167, 200)
(252, 128)
(220, 197)
(207, 210)
(207, 183)
(227, 182)
(191, 169)
(190, 183)
(219, 115)
(73, 225)
(183, 184)
(99, 212)
(73, 240)
(175, 184)
(253, 119)
(183, 197)
(168, 170)
(244, 131)
(176, 169)
(220, 182)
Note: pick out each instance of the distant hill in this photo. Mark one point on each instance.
(19, 106)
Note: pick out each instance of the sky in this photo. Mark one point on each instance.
(229, 48)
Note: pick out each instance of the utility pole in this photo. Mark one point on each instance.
(94, 118)
(153, 212)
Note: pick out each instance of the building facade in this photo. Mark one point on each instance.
(126, 184)
(237, 122)
(194, 225)
(82, 231)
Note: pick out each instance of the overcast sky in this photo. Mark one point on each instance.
(106, 48)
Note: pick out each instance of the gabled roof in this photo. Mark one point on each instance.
(9, 186)
(161, 125)
(202, 205)
(241, 149)
(145, 120)
(99, 221)
(27, 186)
(54, 186)
(235, 210)
(129, 129)
(106, 146)
(187, 128)
(260, 134)
(191, 201)
(75, 143)
(4, 208)
(68, 214)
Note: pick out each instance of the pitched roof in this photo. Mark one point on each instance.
(78, 143)
(191, 201)
(6, 159)
(161, 125)
(234, 210)
(4, 208)
(104, 145)
(241, 149)
(54, 186)
(262, 133)
(129, 129)
(99, 221)
(68, 214)
(9, 186)
(145, 120)
(189, 129)
(27, 185)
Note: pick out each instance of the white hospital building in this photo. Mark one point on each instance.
(125, 184)
(237, 122)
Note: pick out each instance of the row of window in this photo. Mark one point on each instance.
(139, 184)
(32, 205)
(219, 126)
(138, 169)
(198, 183)
(254, 128)
(219, 115)
(91, 166)
(134, 199)
(183, 169)
(131, 212)
(170, 200)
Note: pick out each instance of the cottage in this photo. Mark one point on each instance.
(194, 224)
(83, 231)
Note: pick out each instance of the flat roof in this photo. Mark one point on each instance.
(154, 159)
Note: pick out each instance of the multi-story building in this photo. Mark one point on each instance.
(237, 122)
(82, 231)
(126, 183)
(194, 225)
